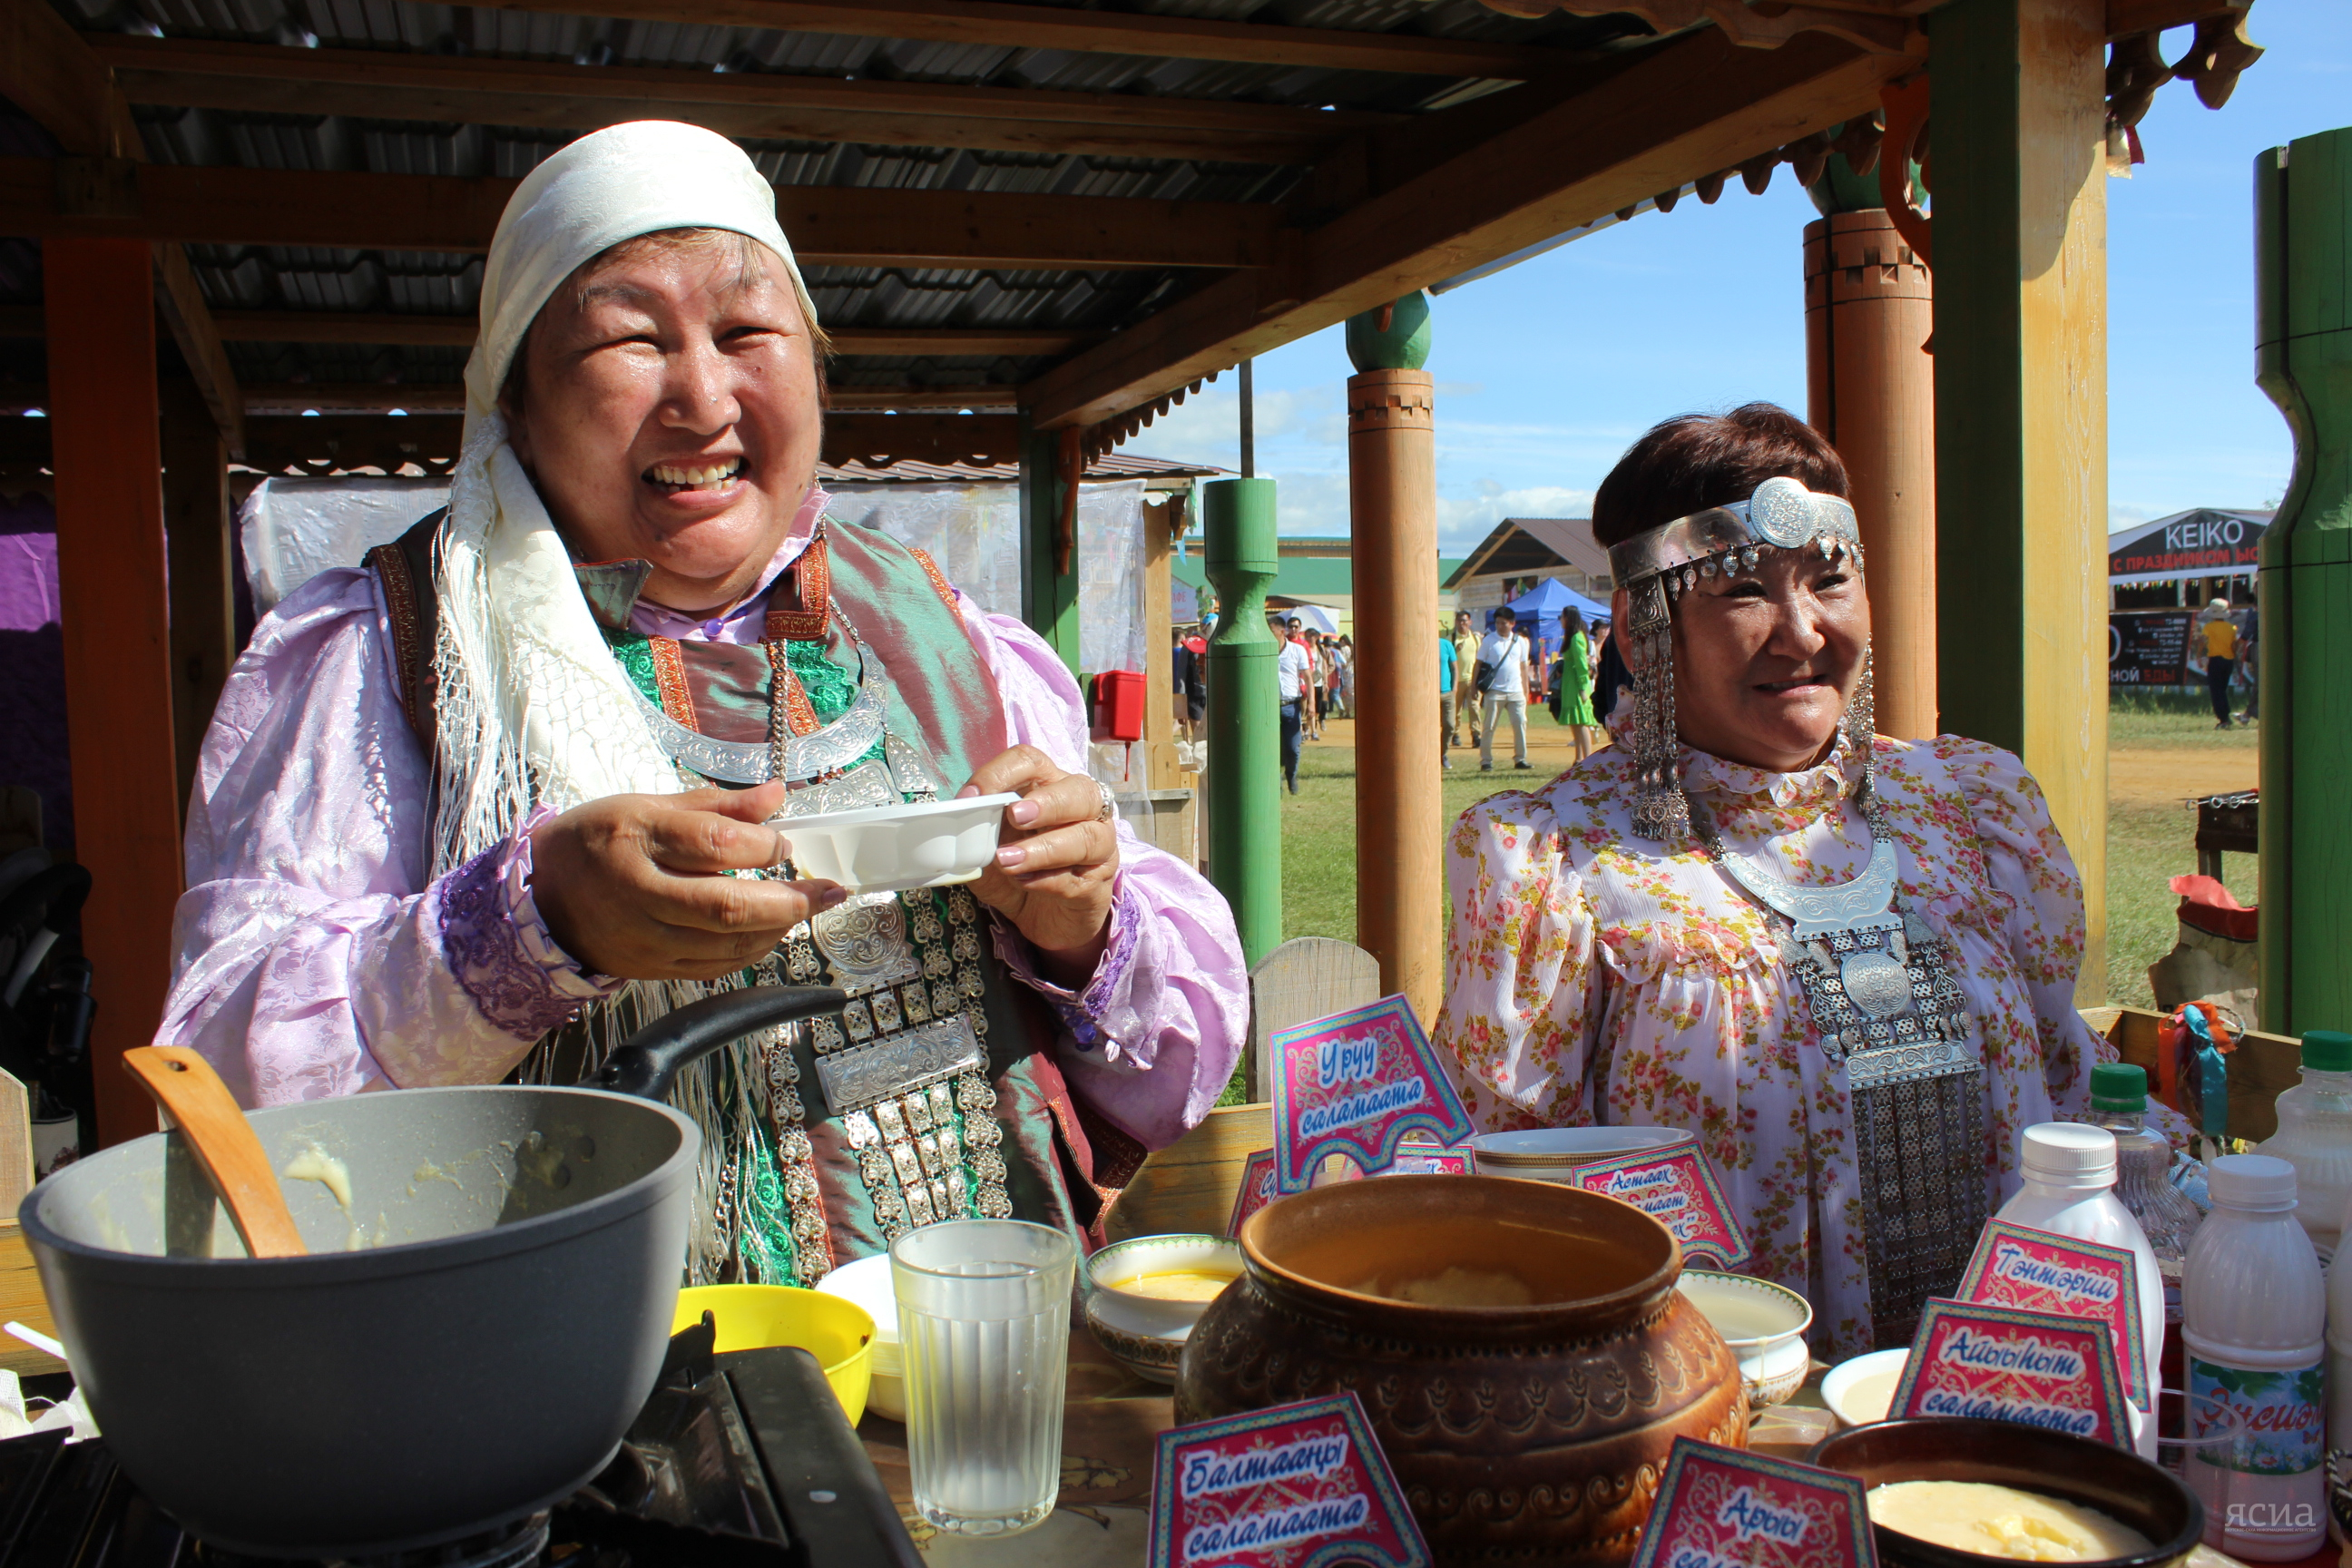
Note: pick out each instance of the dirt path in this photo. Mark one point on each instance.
(2141, 775)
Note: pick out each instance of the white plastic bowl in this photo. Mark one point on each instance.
(1553, 1153)
(867, 1281)
(1857, 1406)
(1763, 1323)
(883, 848)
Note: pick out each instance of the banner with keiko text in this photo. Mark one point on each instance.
(1356, 1084)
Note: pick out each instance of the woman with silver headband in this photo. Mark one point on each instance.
(1847, 963)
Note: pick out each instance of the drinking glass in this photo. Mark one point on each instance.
(2202, 1443)
(984, 1332)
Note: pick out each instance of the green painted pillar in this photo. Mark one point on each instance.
(2303, 357)
(1049, 596)
(1245, 775)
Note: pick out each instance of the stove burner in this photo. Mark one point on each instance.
(738, 1461)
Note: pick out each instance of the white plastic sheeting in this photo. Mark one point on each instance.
(292, 530)
(295, 529)
(973, 532)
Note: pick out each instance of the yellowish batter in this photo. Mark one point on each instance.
(2002, 1521)
(1177, 1285)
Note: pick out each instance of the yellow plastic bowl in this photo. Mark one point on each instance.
(752, 1317)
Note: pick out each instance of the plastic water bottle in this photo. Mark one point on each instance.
(2315, 1136)
(2339, 1401)
(2144, 1183)
(2254, 1317)
(2070, 1178)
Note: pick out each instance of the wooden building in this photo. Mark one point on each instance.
(1029, 228)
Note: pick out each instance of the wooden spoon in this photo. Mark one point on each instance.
(209, 1118)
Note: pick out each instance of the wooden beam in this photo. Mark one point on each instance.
(1693, 106)
(829, 226)
(2124, 19)
(488, 91)
(116, 609)
(48, 71)
(877, 438)
(851, 399)
(181, 300)
(196, 522)
(459, 332)
(1102, 32)
(355, 397)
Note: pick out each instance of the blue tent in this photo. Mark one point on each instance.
(1539, 608)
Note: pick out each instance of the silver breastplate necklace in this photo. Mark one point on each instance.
(1886, 1009)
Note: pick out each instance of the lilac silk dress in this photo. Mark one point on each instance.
(315, 956)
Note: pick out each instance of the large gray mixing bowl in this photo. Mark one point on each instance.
(466, 1344)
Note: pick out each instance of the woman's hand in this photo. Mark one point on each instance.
(1057, 862)
(631, 886)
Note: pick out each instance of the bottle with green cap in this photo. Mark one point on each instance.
(2144, 1185)
(2315, 1136)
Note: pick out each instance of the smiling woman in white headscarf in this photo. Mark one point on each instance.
(483, 805)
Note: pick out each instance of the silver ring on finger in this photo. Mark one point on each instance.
(1109, 812)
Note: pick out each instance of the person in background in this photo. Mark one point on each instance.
(1191, 684)
(1610, 680)
(2218, 636)
(1310, 699)
(1464, 713)
(1343, 678)
(1447, 661)
(1573, 684)
(1294, 682)
(2250, 659)
(1502, 689)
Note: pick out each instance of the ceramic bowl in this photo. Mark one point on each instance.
(1147, 1333)
(883, 848)
(2117, 1483)
(1763, 1323)
(866, 1282)
(1549, 1154)
(838, 1332)
(1859, 1391)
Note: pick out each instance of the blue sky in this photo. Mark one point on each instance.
(1545, 372)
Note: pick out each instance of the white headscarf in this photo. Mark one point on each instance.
(532, 705)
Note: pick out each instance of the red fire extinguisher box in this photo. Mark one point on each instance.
(1119, 705)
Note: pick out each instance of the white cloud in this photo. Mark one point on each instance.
(1463, 520)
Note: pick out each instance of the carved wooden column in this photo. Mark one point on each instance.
(1871, 390)
(1393, 506)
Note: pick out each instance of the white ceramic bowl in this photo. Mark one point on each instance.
(1763, 1323)
(866, 1282)
(1549, 1154)
(1858, 1392)
(1147, 1333)
(882, 848)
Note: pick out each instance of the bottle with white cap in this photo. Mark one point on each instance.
(2070, 1179)
(2315, 1136)
(2254, 1318)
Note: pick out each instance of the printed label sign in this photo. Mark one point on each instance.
(1418, 1159)
(2002, 1364)
(1257, 1189)
(2284, 1412)
(1295, 1487)
(1679, 1190)
(1355, 1084)
(2015, 1266)
(1719, 1508)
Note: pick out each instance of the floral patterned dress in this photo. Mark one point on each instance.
(1596, 978)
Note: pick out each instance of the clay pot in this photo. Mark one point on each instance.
(1534, 1431)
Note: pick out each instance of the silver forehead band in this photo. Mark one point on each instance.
(1781, 515)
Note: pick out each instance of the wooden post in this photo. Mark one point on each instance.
(1158, 641)
(197, 520)
(2303, 251)
(1245, 773)
(1393, 508)
(1049, 588)
(1871, 390)
(108, 458)
(2021, 406)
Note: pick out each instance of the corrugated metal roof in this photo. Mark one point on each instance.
(274, 278)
